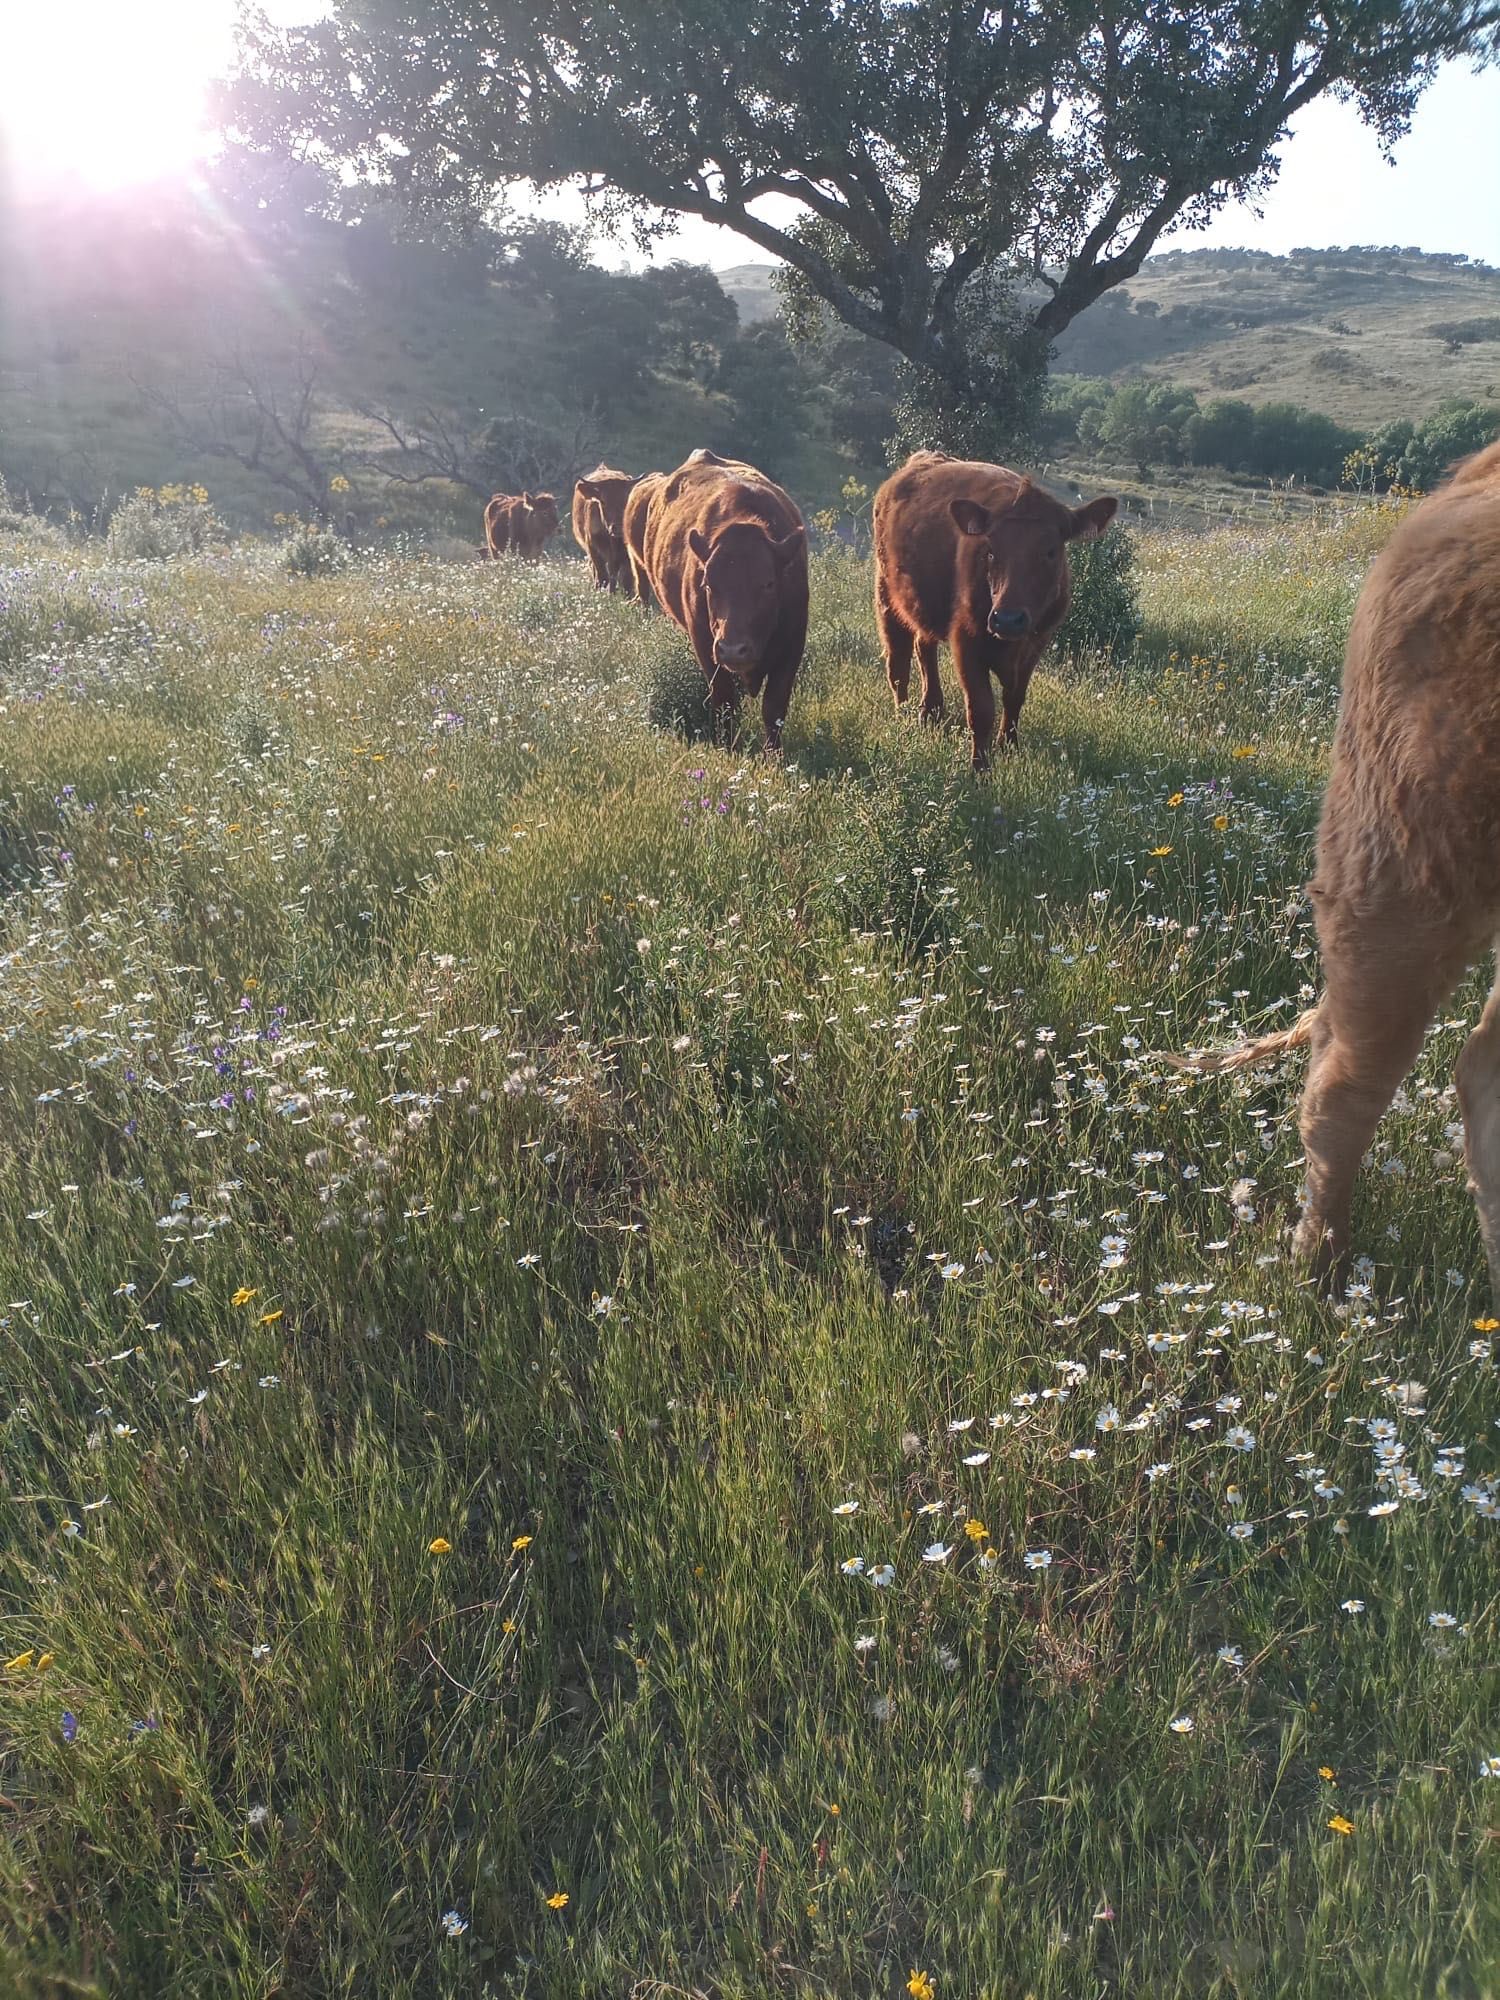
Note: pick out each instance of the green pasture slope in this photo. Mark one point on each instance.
(622, 1375)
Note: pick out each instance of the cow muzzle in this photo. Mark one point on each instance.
(734, 655)
(1009, 624)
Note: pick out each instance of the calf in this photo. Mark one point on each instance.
(1406, 891)
(599, 525)
(977, 556)
(725, 551)
(521, 522)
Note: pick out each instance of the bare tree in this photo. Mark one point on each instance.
(258, 416)
(512, 452)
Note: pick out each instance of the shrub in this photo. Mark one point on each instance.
(152, 525)
(313, 551)
(1105, 615)
(19, 524)
(677, 695)
(900, 853)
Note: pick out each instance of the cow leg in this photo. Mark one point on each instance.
(896, 642)
(933, 705)
(1013, 685)
(775, 702)
(1478, 1077)
(971, 656)
(1387, 973)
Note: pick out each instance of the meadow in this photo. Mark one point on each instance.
(623, 1376)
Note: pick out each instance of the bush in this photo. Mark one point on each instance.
(152, 525)
(677, 695)
(19, 524)
(900, 853)
(1105, 615)
(313, 551)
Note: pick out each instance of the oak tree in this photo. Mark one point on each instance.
(958, 179)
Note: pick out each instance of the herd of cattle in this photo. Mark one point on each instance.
(1406, 893)
(967, 554)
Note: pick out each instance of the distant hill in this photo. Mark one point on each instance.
(753, 290)
(1363, 335)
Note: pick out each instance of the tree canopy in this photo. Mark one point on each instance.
(958, 179)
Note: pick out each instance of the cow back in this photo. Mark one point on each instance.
(705, 495)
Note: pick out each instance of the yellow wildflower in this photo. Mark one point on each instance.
(1158, 852)
(920, 1986)
(520, 1542)
(1338, 1824)
(244, 1295)
(20, 1663)
(1175, 800)
(558, 1900)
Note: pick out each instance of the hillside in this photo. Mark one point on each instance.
(134, 346)
(1360, 335)
(141, 347)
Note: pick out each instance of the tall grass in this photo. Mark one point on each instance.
(563, 1282)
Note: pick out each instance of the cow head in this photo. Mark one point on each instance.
(742, 567)
(609, 491)
(542, 507)
(1027, 556)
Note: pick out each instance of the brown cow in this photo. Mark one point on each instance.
(599, 524)
(636, 523)
(521, 522)
(1406, 891)
(725, 551)
(975, 555)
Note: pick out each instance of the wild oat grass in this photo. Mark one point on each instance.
(624, 1377)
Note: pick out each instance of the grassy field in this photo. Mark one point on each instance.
(622, 1375)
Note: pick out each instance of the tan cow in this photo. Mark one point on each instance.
(725, 551)
(978, 556)
(599, 524)
(521, 523)
(1406, 892)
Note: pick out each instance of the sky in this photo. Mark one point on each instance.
(110, 94)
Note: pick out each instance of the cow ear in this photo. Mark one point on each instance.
(969, 517)
(588, 489)
(789, 547)
(527, 501)
(699, 543)
(1092, 520)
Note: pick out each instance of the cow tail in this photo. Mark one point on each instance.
(1248, 1054)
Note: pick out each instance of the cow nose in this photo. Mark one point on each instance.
(733, 653)
(1009, 624)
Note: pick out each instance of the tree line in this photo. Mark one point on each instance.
(1149, 425)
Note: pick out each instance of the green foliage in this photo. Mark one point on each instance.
(929, 113)
(1455, 431)
(677, 695)
(313, 550)
(1484, 326)
(20, 524)
(152, 525)
(1105, 614)
(1143, 424)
